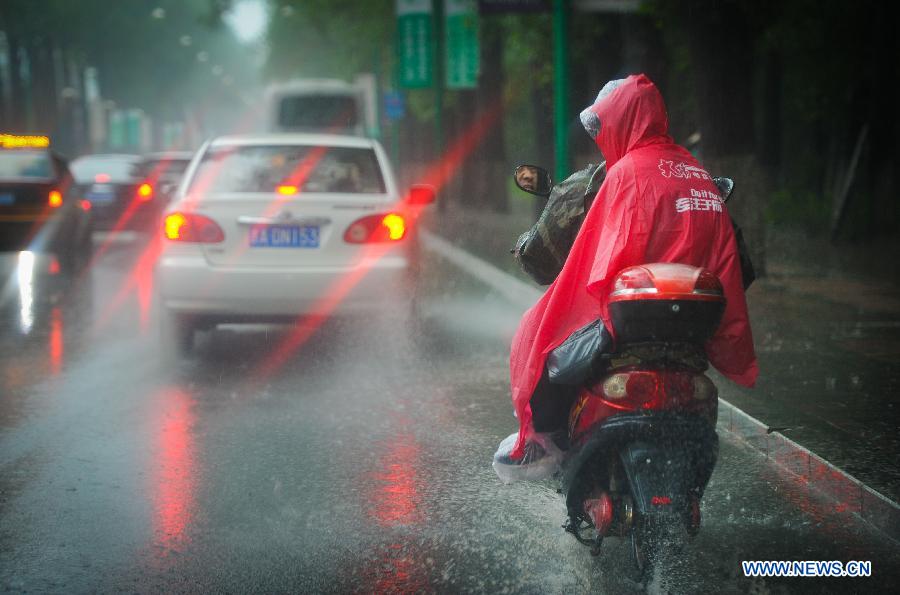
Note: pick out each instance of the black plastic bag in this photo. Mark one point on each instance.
(576, 359)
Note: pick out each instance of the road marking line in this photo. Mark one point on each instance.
(515, 290)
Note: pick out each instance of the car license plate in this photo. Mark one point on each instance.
(7, 198)
(101, 196)
(284, 236)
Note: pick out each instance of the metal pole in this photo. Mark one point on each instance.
(439, 88)
(561, 86)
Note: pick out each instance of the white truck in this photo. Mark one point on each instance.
(323, 105)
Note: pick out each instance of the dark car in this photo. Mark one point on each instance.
(40, 211)
(161, 173)
(112, 184)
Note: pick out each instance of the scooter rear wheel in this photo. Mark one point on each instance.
(651, 539)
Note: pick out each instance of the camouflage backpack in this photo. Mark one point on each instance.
(543, 249)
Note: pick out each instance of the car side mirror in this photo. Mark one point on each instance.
(533, 179)
(420, 194)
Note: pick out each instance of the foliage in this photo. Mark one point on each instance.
(146, 53)
(801, 209)
(329, 38)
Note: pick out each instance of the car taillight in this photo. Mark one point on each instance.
(189, 227)
(376, 228)
(54, 199)
(145, 192)
(85, 205)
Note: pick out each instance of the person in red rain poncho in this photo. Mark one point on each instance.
(656, 205)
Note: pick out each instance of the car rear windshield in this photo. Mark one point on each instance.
(334, 113)
(116, 170)
(25, 165)
(256, 168)
(164, 168)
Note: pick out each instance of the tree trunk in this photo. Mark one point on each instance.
(17, 92)
(466, 187)
(772, 124)
(43, 89)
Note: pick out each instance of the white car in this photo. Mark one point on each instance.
(272, 227)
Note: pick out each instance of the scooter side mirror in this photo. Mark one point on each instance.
(725, 186)
(533, 179)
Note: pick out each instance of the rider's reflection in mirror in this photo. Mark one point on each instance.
(527, 177)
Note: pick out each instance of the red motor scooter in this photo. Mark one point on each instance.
(642, 427)
(643, 432)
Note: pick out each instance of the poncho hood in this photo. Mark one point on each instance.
(628, 114)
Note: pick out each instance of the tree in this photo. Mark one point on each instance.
(147, 55)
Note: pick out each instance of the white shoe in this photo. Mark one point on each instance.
(541, 460)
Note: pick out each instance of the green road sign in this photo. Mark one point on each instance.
(415, 34)
(462, 51)
(134, 128)
(116, 138)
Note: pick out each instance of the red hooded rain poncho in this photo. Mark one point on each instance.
(656, 205)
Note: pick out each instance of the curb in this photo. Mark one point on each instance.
(514, 290)
(848, 493)
(813, 472)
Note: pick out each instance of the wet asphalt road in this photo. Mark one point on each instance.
(360, 464)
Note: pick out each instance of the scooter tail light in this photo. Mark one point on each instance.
(633, 280)
(190, 227)
(614, 387)
(642, 387)
(639, 386)
(708, 283)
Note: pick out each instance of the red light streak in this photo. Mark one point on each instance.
(56, 341)
(46, 212)
(141, 276)
(437, 176)
(322, 310)
(397, 500)
(174, 476)
(296, 180)
(397, 572)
